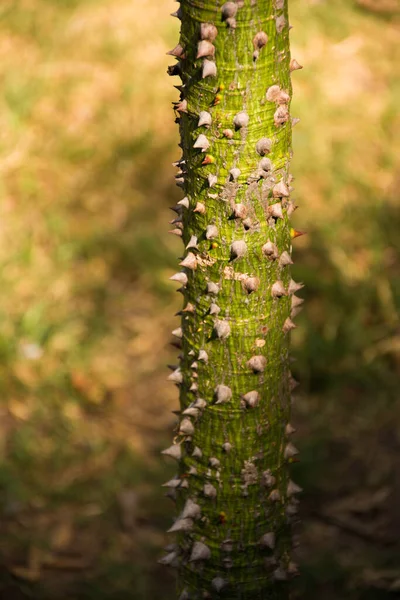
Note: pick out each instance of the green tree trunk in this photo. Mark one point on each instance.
(234, 497)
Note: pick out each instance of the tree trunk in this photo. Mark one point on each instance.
(234, 496)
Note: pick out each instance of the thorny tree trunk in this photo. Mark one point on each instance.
(234, 496)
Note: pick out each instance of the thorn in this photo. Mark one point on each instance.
(199, 552)
(273, 93)
(268, 540)
(186, 427)
(178, 333)
(176, 377)
(270, 250)
(200, 208)
(294, 233)
(212, 288)
(184, 202)
(223, 394)
(229, 10)
(257, 364)
(181, 525)
(260, 40)
(204, 119)
(241, 119)
(208, 31)
(172, 483)
(234, 174)
(295, 120)
(280, 190)
(192, 243)
(280, 23)
(218, 584)
(290, 451)
(177, 13)
(175, 70)
(178, 52)
(179, 163)
(212, 180)
(251, 284)
(275, 210)
(202, 143)
(214, 463)
(275, 496)
(174, 451)
(289, 429)
(294, 65)
(281, 115)
(208, 160)
(214, 309)
(251, 398)
(197, 453)
(205, 48)
(203, 356)
(222, 329)
(170, 560)
(238, 249)
(268, 480)
(265, 165)
(288, 325)
(294, 287)
(211, 232)
(209, 491)
(209, 69)
(285, 259)
(239, 211)
(278, 290)
(177, 232)
(190, 261)
(177, 209)
(280, 574)
(191, 510)
(181, 106)
(263, 146)
(293, 488)
(228, 133)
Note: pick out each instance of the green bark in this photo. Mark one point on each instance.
(234, 497)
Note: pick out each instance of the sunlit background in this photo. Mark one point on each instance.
(87, 138)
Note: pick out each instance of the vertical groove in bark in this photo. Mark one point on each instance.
(232, 489)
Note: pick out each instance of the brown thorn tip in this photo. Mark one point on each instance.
(294, 233)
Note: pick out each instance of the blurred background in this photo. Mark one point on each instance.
(87, 138)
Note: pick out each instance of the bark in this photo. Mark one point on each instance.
(234, 497)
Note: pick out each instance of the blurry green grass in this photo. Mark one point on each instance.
(85, 151)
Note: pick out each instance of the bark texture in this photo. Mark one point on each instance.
(234, 497)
